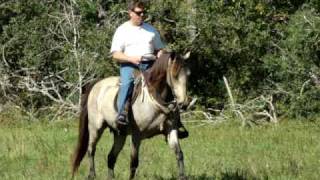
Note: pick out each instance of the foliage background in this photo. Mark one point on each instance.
(263, 47)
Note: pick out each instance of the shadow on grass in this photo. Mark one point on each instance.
(234, 176)
(229, 175)
(224, 176)
(200, 177)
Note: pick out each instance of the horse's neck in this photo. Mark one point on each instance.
(160, 95)
(159, 85)
(158, 91)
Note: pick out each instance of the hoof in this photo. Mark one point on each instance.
(91, 177)
(110, 174)
(183, 177)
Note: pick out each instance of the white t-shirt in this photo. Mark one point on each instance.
(136, 40)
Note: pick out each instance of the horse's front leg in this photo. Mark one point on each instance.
(136, 140)
(174, 145)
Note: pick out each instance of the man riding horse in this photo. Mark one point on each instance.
(134, 45)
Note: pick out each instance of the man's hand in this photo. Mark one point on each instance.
(122, 58)
(160, 52)
(135, 59)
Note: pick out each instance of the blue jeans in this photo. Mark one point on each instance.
(127, 79)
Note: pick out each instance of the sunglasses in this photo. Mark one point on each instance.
(139, 13)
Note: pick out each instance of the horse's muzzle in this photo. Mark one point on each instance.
(187, 104)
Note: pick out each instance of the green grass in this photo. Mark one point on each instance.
(290, 150)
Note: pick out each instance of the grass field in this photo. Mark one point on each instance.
(290, 150)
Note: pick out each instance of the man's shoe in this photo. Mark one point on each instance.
(182, 133)
(122, 120)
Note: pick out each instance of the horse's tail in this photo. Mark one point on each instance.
(83, 138)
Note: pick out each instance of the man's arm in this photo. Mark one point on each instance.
(160, 52)
(122, 58)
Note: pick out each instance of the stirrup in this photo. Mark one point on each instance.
(122, 120)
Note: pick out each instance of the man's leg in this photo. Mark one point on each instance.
(143, 66)
(126, 80)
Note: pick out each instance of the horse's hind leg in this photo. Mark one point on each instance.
(117, 146)
(174, 144)
(94, 136)
(136, 140)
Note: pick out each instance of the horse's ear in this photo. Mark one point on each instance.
(186, 56)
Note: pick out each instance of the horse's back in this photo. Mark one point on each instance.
(101, 102)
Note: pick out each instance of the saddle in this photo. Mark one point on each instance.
(138, 83)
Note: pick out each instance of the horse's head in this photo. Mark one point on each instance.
(170, 69)
(177, 77)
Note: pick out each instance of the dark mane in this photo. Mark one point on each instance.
(158, 72)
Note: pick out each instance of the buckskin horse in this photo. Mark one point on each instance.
(151, 112)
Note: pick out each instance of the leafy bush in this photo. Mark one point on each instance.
(262, 47)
